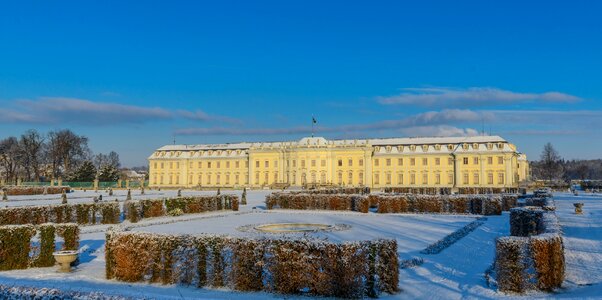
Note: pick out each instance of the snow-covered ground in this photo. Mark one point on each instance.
(455, 273)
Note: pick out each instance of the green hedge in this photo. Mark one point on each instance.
(16, 244)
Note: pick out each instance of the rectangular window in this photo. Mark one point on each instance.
(388, 176)
(257, 178)
(208, 179)
(275, 164)
(425, 178)
(200, 165)
(350, 178)
(208, 165)
(217, 179)
(161, 165)
(425, 161)
(313, 162)
(412, 161)
(236, 179)
(450, 178)
(490, 178)
(275, 176)
(376, 178)
(465, 160)
(247, 165)
(294, 163)
(237, 164)
(500, 160)
(465, 178)
(400, 161)
(450, 161)
(303, 163)
(350, 162)
(361, 162)
(256, 164)
(412, 178)
(339, 178)
(475, 178)
(388, 162)
(155, 164)
(475, 160)
(323, 163)
(500, 178)
(437, 178)
(266, 164)
(266, 178)
(437, 161)
(227, 164)
(361, 178)
(400, 178)
(340, 163)
(490, 160)
(227, 179)
(376, 162)
(171, 165)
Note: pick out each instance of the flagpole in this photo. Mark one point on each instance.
(312, 126)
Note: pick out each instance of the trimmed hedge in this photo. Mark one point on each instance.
(386, 203)
(80, 213)
(454, 204)
(350, 270)
(135, 210)
(317, 201)
(358, 190)
(34, 190)
(533, 257)
(16, 244)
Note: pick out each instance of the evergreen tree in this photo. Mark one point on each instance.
(86, 172)
(108, 173)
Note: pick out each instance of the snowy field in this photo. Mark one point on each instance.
(455, 273)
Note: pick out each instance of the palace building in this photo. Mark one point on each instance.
(436, 162)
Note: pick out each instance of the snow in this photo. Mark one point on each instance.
(457, 272)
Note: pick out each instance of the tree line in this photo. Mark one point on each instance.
(552, 167)
(57, 154)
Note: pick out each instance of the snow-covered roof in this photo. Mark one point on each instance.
(237, 149)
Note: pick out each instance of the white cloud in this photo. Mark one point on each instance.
(60, 110)
(474, 96)
(440, 130)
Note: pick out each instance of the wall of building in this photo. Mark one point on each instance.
(483, 163)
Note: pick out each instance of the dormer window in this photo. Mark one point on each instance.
(425, 148)
(388, 149)
(489, 146)
(412, 148)
(500, 145)
(450, 147)
(377, 149)
(399, 148)
(465, 146)
(437, 147)
(475, 146)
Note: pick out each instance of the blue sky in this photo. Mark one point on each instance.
(133, 75)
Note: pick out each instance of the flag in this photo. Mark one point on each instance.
(314, 120)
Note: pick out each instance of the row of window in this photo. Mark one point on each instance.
(207, 179)
(387, 161)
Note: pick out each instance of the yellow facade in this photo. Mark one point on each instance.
(452, 162)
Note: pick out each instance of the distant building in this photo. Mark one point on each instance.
(437, 162)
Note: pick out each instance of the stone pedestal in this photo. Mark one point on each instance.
(60, 182)
(127, 183)
(95, 184)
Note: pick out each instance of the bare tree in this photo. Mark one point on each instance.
(66, 150)
(551, 167)
(32, 145)
(10, 158)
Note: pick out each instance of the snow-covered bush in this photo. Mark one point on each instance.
(139, 209)
(81, 213)
(316, 201)
(16, 244)
(455, 204)
(533, 257)
(288, 266)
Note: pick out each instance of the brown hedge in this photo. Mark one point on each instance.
(135, 210)
(34, 190)
(315, 201)
(80, 213)
(533, 257)
(16, 244)
(350, 270)
(455, 204)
